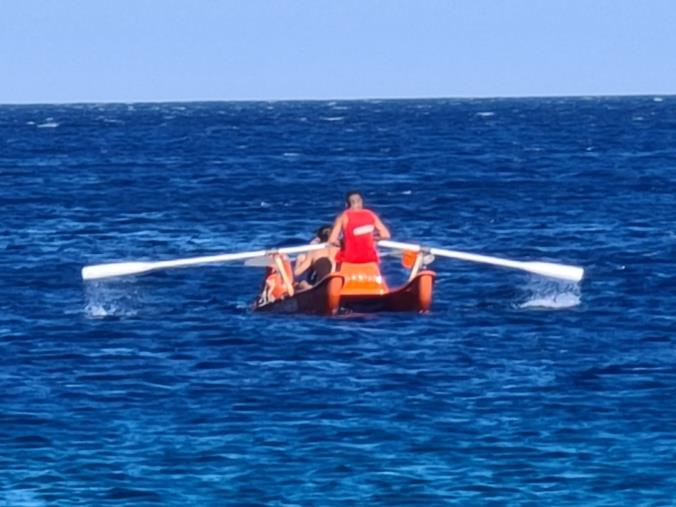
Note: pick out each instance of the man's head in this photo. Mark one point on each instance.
(354, 200)
(323, 233)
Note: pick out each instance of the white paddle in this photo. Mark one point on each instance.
(99, 271)
(550, 269)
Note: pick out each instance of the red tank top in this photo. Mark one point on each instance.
(358, 244)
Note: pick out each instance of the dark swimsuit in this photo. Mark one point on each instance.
(320, 269)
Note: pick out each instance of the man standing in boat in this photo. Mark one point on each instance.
(358, 226)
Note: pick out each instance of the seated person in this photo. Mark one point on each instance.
(319, 263)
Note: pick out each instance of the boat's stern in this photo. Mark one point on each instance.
(362, 280)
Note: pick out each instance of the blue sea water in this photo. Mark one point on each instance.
(166, 389)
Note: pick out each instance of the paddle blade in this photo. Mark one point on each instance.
(116, 269)
(560, 271)
(259, 262)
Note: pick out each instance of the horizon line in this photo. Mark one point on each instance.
(345, 99)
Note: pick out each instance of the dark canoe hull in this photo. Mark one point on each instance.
(325, 298)
(321, 299)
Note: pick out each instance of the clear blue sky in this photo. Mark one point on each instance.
(157, 50)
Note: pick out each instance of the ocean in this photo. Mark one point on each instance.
(166, 389)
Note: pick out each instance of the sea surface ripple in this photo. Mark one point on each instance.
(166, 389)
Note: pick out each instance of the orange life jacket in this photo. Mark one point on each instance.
(274, 287)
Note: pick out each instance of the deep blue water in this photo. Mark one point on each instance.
(166, 389)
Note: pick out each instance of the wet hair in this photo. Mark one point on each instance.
(323, 233)
(350, 194)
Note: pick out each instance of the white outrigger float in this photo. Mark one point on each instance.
(356, 287)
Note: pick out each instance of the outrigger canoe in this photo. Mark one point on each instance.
(355, 287)
(341, 292)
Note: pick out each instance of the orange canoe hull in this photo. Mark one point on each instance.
(414, 296)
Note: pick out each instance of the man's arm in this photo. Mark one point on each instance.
(334, 238)
(302, 264)
(383, 232)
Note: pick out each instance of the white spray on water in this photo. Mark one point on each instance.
(551, 294)
(110, 299)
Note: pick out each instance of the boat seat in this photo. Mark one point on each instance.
(362, 279)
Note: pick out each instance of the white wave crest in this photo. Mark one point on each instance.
(48, 125)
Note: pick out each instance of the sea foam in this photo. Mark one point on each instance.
(551, 294)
